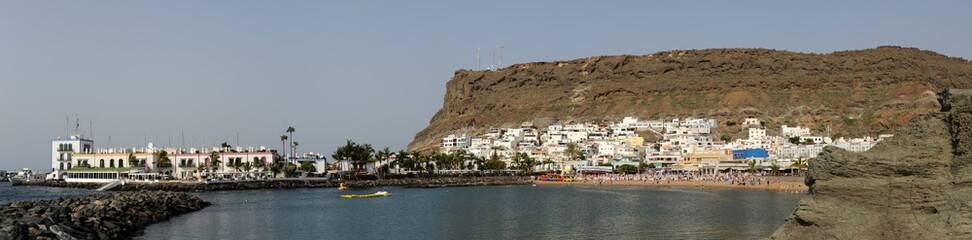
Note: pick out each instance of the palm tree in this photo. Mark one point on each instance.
(290, 130)
(132, 161)
(572, 151)
(776, 168)
(247, 166)
(798, 164)
(308, 167)
(382, 156)
(214, 161)
(283, 140)
(164, 160)
(236, 165)
(752, 166)
(274, 169)
(257, 164)
(295, 148)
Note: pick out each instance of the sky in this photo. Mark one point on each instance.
(199, 73)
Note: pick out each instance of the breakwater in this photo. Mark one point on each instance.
(98, 216)
(305, 183)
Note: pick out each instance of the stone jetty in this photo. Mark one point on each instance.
(98, 216)
(418, 182)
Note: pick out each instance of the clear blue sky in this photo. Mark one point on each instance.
(365, 70)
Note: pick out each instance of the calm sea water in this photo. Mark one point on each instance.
(23, 193)
(502, 212)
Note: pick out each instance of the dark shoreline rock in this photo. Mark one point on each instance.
(96, 216)
(418, 182)
(915, 185)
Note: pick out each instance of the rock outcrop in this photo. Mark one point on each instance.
(109, 216)
(851, 92)
(915, 185)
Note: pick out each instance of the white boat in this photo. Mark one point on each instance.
(377, 194)
(24, 176)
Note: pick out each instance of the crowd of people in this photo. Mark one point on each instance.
(741, 179)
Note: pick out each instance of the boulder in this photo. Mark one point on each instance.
(915, 185)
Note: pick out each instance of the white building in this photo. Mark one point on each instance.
(856, 144)
(757, 133)
(750, 122)
(814, 139)
(799, 151)
(63, 151)
(453, 141)
(794, 131)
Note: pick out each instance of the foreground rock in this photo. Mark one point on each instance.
(310, 183)
(109, 216)
(916, 185)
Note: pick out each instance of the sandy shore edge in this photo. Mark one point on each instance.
(783, 186)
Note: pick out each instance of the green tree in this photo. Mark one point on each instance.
(289, 169)
(725, 138)
(752, 166)
(237, 166)
(572, 151)
(132, 161)
(627, 169)
(214, 161)
(163, 158)
(247, 166)
(307, 167)
(275, 168)
(295, 148)
(291, 130)
(798, 165)
(642, 167)
(775, 168)
(795, 140)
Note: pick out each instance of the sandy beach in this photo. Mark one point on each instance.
(781, 185)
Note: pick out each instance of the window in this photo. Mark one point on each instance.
(112, 163)
(102, 163)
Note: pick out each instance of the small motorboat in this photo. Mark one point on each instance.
(377, 194)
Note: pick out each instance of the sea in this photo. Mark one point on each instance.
(491, 212)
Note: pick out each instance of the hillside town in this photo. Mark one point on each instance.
(683, 145)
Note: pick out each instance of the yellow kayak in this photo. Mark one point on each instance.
(377, 194)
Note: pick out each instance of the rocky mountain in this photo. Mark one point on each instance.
(847, 93)
(915, 185)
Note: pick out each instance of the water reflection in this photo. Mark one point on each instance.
(516, 212)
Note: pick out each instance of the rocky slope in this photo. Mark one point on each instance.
(112, 216)
(853, 92)
(915, 185)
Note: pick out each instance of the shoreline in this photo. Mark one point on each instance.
(291, 183)
(781, 186)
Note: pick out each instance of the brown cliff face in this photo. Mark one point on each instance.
(853, 92)
(915, 185)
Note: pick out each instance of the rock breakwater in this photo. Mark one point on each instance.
(99, 216)
(915, 185)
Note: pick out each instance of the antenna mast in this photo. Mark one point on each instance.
(478, 65)
(501, 47)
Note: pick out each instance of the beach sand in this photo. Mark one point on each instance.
(783, 186)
